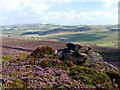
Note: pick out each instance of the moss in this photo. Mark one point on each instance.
(86, 70)
(99, 78)
(23, 56)
(7, 58)
(113, 74)
(80, 69)
(47, 86)
(73, 72)
(88, 76)
(45, 63)
(18, 84)
(69, 63)
(95, 65)
(54, 64)
(64, 86)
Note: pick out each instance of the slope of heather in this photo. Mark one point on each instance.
(15, 47)
(43, 69)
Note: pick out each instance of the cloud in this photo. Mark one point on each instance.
(18, 5)
(109, 3)
(3, 19)
(39, 7)
(61, 1)
(45, 11)
(23, 13)
(85, 17)
(10, 5)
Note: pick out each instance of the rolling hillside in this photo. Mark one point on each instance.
(101, 35)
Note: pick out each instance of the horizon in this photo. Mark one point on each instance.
(59, 24)
(64, 12)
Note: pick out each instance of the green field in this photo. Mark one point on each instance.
(100, 35)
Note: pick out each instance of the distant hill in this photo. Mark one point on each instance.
(58, 30)
(103, 35)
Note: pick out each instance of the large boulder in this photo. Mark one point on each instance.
(84, 55)
(76, 58)
(84, 49)
(73, 47)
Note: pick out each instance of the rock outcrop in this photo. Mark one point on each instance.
(84, 55)
(79, 55)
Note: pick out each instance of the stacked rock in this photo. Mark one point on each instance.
(80, 54)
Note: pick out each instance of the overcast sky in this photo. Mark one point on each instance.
(64, 12)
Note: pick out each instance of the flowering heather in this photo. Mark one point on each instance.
(50, 72)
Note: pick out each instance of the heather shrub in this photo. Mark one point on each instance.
(41, 69)
(40, 52)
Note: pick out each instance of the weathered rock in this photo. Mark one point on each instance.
(108, 67)
(73, 47)
(76, 58)
(80, 55)
(94, 56)
(117, 81)
(84, 49)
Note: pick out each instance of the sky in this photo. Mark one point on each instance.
(63, 12)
